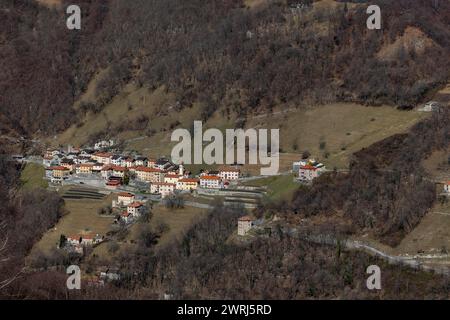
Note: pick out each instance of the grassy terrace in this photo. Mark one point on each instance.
(278, 187)
(177, 221)
(77, 193)
(32, 177)
(82, 218)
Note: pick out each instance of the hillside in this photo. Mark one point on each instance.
(139, 69)
(233, 56)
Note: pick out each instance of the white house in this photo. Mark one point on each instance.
(102, 157)
(127, 162)
(210, 182)
(85, 240)
(127, 217)
(82, 159)
(149, 174)
(172, 178)
(125, 198)
(135, 208)
(229, 174)
(163, 188)
(245, 223)
(310, 170)
(118, 171)
(187, 184)
(97, 167)
(430, 106)
(447, 187)
(116, 160)
(141, 161)
(103, 144)
(106, 172)
(308, 173)
(163, 164)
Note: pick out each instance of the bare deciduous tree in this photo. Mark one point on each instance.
(3, 255)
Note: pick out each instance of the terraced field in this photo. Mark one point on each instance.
(82, 193)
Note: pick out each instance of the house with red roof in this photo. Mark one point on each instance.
(210, 182)
(149, 174)
(102, 157)
(163, 188)
(126, 217)
(187, 184)
(135, 208)
(447, 186)
(113, 183)
(172, 178)
(310, 170)
(245, 224)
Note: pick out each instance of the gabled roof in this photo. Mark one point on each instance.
(126, 214)
(308, 167)
(164, 184)
(59, 168)
(163, 162)
(118, 168)
(147, 169)
(189, 180)
(135, 205)
(246, 218)
(113, 183)
(87, 165)
(172, 176)
(126, 194)
(103, 154)
(209, 178)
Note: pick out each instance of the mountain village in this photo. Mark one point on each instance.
(137, 180)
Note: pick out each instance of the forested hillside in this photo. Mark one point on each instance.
(221, 54)
(386, 191)
(240, 57)
(24, 217)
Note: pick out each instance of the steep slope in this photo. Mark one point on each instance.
(220, 55)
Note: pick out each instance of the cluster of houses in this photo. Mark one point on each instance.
(130, 209)
(160, 175)
(308, 170)
(78, 242)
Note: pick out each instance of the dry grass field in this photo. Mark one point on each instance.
(32, 177)
(278, 187)
(177, 220)
(331, 133)
(82, 218)
(437, 165)
(431, 236)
